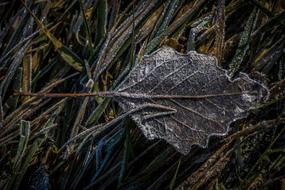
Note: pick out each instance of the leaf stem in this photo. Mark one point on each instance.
(111, 94)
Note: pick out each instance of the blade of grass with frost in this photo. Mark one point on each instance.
(84, 104)
(219, 26)
(155, 165)
(49, 124)
(79, 118)
(166, 175)
(17, 35)
(281, 67)
(125, 158)
(26, 163)
(87, 28)
(99, 151)
(27, 75)
(100, 43)
(166, 16)
(12, 102)
(197, 26)
(243, 43)
(187, 16)
(19, 160)
(23, 143)
(74, 172)
(173, 180)
(68, 168)
(265, 154)
(271, 23)
(262, 8)
(101, 21)
(115, 7)
(17, 59)
(267, 56)
(40, 74)
(271, 59)
(161, 25)
(86, 164)
(12, 69)
(66, 53)
(111, 144)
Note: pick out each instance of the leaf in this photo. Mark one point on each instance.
(192, 98)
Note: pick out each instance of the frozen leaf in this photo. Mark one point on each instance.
(191, 97)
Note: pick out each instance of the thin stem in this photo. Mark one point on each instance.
(112, 94)
(71, 95)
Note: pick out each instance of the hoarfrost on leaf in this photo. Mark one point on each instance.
(192, 97)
